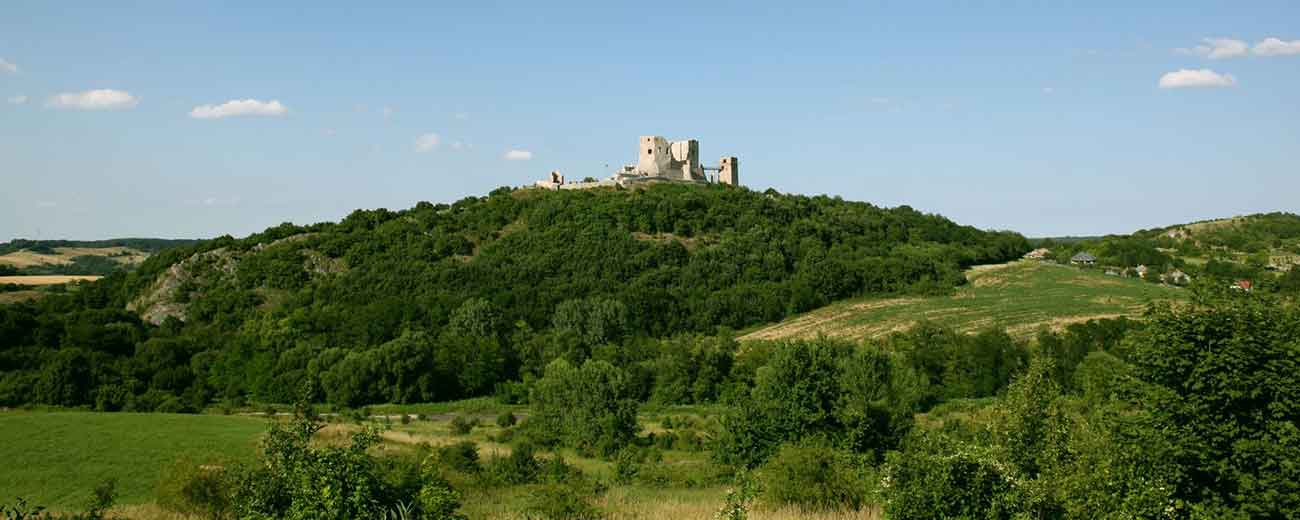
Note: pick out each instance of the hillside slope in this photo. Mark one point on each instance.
(1021, 297)
(453, 300)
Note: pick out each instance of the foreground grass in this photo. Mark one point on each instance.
(56, 458)
(1021, 297)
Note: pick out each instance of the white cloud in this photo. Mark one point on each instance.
(47, 204)
(387, 112)
(518, 155)
(239, 107)
(1218, 48)
(8, 67)
(457, 145)
(462, 116)
(17, 100)
(1187, 78)
(1277, 47)
(101, 99)
(215, 201)
(1048, 90)
(427, 143)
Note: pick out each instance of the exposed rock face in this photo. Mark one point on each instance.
(168, 295)
(171, 293)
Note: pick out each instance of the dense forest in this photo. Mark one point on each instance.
(443, 301)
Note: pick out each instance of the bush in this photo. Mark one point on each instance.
(195, 489)
(461, 456)
(438, 501)
(506, 420)
(815, 477)
(295, 479)
(934, 477)
(520, 467)
(462, 426)
(557, 502)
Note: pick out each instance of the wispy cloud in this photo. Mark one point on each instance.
(101, 99)
(239, 107)
(8, 67)
(212, 201)
(17, 100)
(1277, 47)
(1198, 78)
(427, 143)
(518, 155)
(1218, 48)
(1225, 48)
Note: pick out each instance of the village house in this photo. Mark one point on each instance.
(1038, 254)
(1176, 277)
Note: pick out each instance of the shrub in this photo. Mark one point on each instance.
(554, 501)
(506, 420)
(664, 440)
(626, 463)
(935, 477)
(461, 456)
(815, 477)
(438, 501)
(462, 426)
(520, 467)
(295, 479)
(406, 419)
(195, 489)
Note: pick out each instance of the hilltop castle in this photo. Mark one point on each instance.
(659, 160)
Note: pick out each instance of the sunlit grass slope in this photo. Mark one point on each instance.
(1019, 296)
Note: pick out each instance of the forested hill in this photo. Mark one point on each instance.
(474, 284)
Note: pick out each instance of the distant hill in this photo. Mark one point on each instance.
(79, 257)
(1261, 248)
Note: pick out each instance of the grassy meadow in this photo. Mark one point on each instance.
(1021, 297)
(56, 458)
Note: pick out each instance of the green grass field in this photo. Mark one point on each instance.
(56, 458)
(1020, 297)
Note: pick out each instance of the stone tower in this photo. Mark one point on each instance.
(729, 171)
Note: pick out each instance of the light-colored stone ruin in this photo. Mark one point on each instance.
(659, 160)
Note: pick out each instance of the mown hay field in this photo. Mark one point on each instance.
(1021, 297)
(43, 279)
(64, 256)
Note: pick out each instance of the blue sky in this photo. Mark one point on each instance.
(117, 119)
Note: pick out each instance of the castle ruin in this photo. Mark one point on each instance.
(659, 160)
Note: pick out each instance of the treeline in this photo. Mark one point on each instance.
(448, 301)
